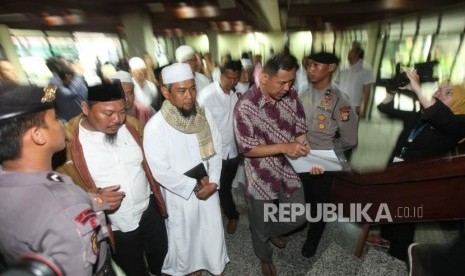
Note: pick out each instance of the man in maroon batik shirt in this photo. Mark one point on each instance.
(269, 124)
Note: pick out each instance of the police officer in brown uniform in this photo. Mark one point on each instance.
(42, 211)
(332, 124)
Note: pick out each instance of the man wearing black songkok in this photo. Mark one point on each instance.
(105, 147)
(43, 215)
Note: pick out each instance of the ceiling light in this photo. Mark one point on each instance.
(224, 26)
(208, 11)
(52, 20)
(185, 11)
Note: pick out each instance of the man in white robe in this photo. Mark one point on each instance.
(185, 54)
(180, 137)
(145, 91)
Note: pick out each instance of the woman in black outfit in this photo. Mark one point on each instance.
(427, 133)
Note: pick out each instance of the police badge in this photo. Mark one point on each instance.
(344, 113)
(49, 94)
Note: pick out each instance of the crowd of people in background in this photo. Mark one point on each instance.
(155, 152)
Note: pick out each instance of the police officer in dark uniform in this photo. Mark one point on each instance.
(42, 211)
(332, 124)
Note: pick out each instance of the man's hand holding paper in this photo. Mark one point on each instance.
(316, 162)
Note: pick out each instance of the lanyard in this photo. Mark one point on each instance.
(415, 132)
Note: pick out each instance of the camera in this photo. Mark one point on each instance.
(425, 71)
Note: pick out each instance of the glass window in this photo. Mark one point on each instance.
(63, 47)
(458, 72)
(160, 52)
(32, 52)
(445, 52)
(82, 49)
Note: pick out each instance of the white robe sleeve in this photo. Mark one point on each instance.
(157, 153)
(215, 162)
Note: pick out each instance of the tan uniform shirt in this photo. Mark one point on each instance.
(46, 213)
(330, 118)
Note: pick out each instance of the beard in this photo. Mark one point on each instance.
(188, 113)
(111, 138)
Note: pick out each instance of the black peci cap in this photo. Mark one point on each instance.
(17, 100)
(106, 92)
(324, 57)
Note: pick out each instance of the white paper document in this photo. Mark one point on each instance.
(326, 159)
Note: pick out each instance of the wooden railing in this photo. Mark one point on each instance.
(414, 191)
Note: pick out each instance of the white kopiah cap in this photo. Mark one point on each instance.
(176, 72)
(184, 52)
(122, 76)
(137, 63)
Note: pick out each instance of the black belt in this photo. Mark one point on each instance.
(107, 268)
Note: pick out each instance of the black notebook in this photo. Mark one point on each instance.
(197, 172)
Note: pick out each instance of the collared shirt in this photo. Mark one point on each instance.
(301, 80)
(329, 112)
(118, 164)
(147, 94)
(221, 106)
(261, 122)
(242, 87)
(352, 80)
(201, 81)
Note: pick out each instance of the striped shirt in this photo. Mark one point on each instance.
(258, 121)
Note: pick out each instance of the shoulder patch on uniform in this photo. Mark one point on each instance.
(54, 177)
(86, 215)
(344, 113)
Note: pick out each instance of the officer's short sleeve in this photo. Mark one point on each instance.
(72, 238)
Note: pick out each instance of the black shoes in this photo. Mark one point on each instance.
(309, 248)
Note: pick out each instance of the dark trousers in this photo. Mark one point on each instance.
(401, 236)
(262, 231)
(228, 172)
(149, 238)
(317, 189)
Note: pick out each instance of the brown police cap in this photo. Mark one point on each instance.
(17, 100)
